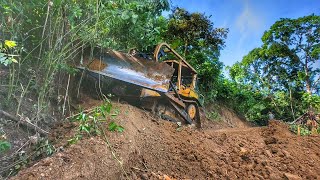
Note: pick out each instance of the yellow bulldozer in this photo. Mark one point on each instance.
(162, 81)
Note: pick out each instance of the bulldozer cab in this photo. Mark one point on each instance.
(184, 77)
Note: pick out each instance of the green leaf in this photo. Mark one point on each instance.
(85, 127)
(13, 60)
(4, 146)
(134, 18)
(120, 128)
(125, 15)
(108, 107)
(2, 58)
(112, 126)
(10, 44)
(83, 117)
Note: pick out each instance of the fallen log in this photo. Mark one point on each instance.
(24, 123)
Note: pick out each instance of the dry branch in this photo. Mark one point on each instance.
(24, 123)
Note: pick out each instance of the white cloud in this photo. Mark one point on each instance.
(249, 19)
(250, 23)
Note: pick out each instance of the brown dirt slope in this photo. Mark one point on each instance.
(226, 118)
(150, 148)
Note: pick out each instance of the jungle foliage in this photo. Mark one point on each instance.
(283, 72)
(194, 36)
(46, 36)
(41, 39)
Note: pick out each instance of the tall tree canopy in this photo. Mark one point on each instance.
(284, 68)
(287, 57)
(194, 31)
(194, 36)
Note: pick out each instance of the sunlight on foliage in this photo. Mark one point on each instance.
(6, 58)
(10, 44)
(282, 70)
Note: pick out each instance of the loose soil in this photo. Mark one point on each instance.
(150, 148)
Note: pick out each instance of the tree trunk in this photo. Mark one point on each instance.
(185, 48)
(307, 78)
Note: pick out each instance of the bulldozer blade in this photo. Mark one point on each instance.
(131, 69)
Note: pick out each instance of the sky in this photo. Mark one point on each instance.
(247, 20)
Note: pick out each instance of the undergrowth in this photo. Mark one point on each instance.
(4, 146)
(93, 123)
(304, 130)
(213, 116)
(212, 112)
(21, 159)
(90, 123)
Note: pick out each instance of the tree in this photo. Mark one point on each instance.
(292, 46)
(194, 36)
(287, 57)
(139, 25)
(192, 31)
(120, 24)
(283, 69)
(51, 34)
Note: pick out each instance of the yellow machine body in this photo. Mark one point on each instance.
(182, 71)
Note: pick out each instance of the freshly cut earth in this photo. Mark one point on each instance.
(150, 148)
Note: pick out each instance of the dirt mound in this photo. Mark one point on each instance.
(219, 117)
(150, 148)
(232, 119)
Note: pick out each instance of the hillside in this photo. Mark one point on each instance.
(159, 89)
(150, 148)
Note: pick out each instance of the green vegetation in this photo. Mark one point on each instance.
(212, 112)
(304, 131)
(213, 116)
(281, 76)
(114, 127)
(50, 34)
(194, 36)
(6, 58)
(90, 123)
(41, 40)
(4, 146)
(43, 148)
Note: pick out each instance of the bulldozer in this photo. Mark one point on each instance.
(162, 81)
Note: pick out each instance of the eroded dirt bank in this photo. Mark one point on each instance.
(150, 148)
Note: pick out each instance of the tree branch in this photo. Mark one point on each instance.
(316, 82)
(24, 123)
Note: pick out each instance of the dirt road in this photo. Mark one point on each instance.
(150, 148)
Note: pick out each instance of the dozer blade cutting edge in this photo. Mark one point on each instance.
(124, 67)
